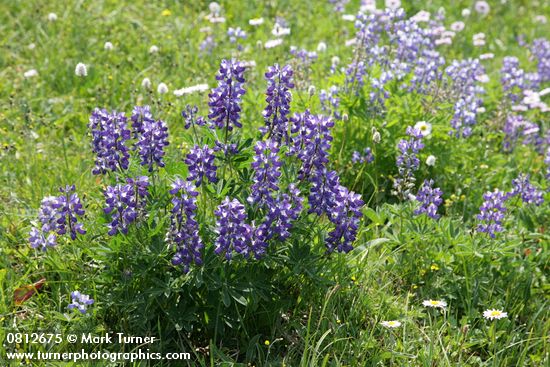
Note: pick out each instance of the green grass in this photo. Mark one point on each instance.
(299, 307)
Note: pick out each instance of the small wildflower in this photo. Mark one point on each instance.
(391, 324)
(256, 21)
(153, 49)
(52, 17)
(162, 88)
(81, 70)
(493, 314)
(482, 7)
(80, 301)
(424, 127)
(434, 267)
(146, 83)
(267, 342)
(30, 73)
(430, 161)
(108, 46)
(434, 304)
(166, 13)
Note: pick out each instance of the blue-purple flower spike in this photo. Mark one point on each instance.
(184, 229)
(225, 99)
(151, 143)
(125, 203)
(109, 135)
(278, 97)
(234, 235)
(80, 302)
(528, 193)
(492, 213)
(267, 170)
(346, 215)
(200, 163)
(429, 199)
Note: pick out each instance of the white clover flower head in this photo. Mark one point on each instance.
(376, 138)
(162, 88)
(273, 43)
(146, 83)
(457, 26)
(494, 314)
(153, 49)
(321, 47)
(393, 4)
(256, 21)
(81, 69)
(108, 46)
(52, 17)
(391, 324)
(482, 7)
(430, 161)
(466, 12)
(31, 46)
(424, 127)
(30, 73)
(214, 7)
(434, 304)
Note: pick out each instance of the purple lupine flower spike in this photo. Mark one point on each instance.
(429, 199)
(225, 99)
(151, 143)
(408, 162)
(189, 114)
(233, 233)
(278, 97)
(528, 193)
(267, 170)
(140, 114)
(541, 51)
(80, 302)
(492, 213)
(109, 135)
(184, 229)
(69, 208)
(125, 203)
(200, 163)
(346, 215)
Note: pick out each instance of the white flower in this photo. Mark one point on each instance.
(351, 42)
(424, 127)
(493, 314)
(391, 324)
(31, 46)
(273, 43)
(541, 19)
(52, 17)
(192, 89)
(256, 21)
(466, 12)
(421, 16)
(376, 138)
(484, 78)
(368, 6)
(448, 34)
(108, 46)
(321, 47)
(479, 39)
(216, 19)
(430, 161)
(335, 60)
(481, 110)
(205, 29)
(214, 7)
(486, 56)
(311, 90)
(457, 26)
(30, 73)
(434, 304)
(80, 69)
(519, 108)
(393, 4)
(444, 41)
(482, 7)
(146, 83)
(153, 49)
(279, 31)
(162, 88)
(544, 92)
(348, 17)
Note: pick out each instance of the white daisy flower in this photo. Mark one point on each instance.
(493, 314)
(434, 304)
(146, 83)
(256, 21)
(391, 324)
(430, 161)
(30, 73)
(424, 127)
(108, 46)
(81, 69)
(162, 88)
(52, 17)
